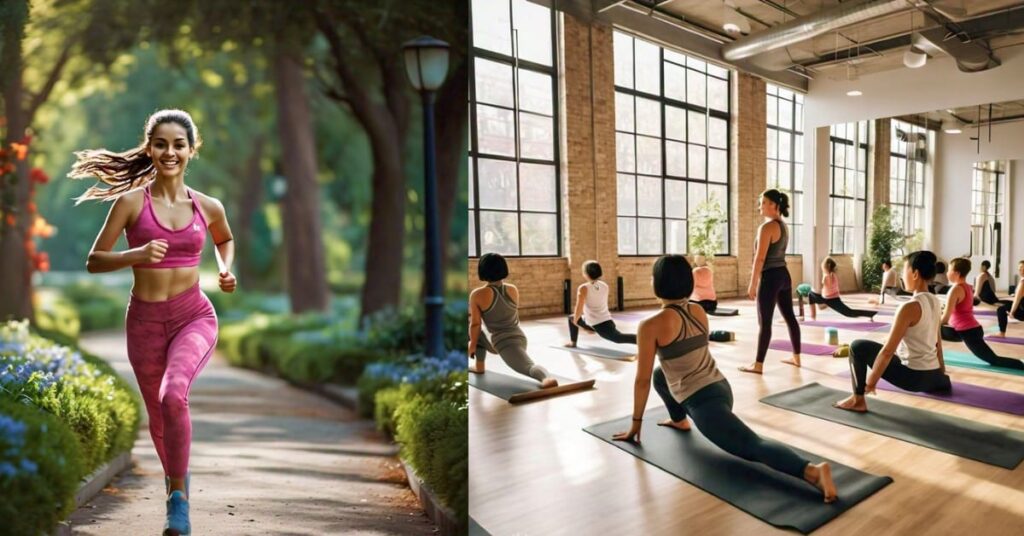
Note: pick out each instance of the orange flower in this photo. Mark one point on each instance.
(20, 149)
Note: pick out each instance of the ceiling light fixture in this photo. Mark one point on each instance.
(854, 93)
(734, 23)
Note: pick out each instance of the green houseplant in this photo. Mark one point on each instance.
(885, 238)
(705, 235)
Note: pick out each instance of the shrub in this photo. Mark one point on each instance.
(403, 330)
(414, 369)
(98, 306)
(57, 319)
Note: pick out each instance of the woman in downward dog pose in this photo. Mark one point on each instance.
(829, 296)
(959, 315)
(914, 339)
(171, 325)
(770, 283)
(591, 313)
(690, 384)
(497, 305)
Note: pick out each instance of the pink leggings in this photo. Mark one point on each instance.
(169, 342)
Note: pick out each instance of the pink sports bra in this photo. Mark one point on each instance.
(184, 246)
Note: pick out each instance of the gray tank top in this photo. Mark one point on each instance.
(502, 319)
(687, 362)
(776, 254)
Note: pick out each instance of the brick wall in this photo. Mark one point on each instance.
(749, 157)
(880, 178)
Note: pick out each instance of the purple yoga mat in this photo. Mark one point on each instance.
(968, 395)
(805, 347)
(1005, 340)
(853, 326)
(977, 312)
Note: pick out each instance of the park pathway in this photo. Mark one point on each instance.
(267, 458)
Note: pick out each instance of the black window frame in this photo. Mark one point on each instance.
(832, 195)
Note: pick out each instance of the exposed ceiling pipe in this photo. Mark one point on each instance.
(971, 55)
(804, 28)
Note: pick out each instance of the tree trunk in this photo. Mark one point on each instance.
(15, 266)
(451, 154)
(250, 199)
(307, 279)
(383, 284)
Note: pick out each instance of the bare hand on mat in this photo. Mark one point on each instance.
(633, 435)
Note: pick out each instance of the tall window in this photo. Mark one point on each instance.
(848, 194)
(786, 153)
(672, 145)
(987, 205)
(513, 152)
(907, 162)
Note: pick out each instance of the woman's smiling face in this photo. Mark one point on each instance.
(169, 149)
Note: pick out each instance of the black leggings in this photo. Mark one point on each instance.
(605, 329)
(974, 338)
(988, 295)
(776, 288)
(709, 306)
(838, 306)
(862, 355)
(1004, 314)
(711, 410)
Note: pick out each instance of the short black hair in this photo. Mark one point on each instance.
(887, 262)
(961, 266)
(492, 267)
(592, 269)
(986, 265)
(940, 267)
(924, 262)
(673, 277)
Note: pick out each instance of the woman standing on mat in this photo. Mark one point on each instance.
(690, 384)
(591, 313)
(171, 326)
(497, 304)
(1012, 308)
(704, 285)
(829, 296)
(770, 283)
(914, 338)
(959, 314)
(985, 286)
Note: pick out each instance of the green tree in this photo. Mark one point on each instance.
(885, 238)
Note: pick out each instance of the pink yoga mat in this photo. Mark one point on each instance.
(805, 347)
(1005, 340)
(853, 326)
(968, 395)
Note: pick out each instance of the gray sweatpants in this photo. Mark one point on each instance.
(513, 353)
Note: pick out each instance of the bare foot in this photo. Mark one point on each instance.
(683, 425)
(795, 360)
(569, 344)
(852, 403)
(1002, 334)
(477, 367)
(756, 368)
(821, 476)
(549, 383)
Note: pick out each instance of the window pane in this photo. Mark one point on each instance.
(627, 236)
(675, 236)
(720, 195)
(696, 156)
(532, 23)
(675, 82)
(648, 196)
(697, 64)
(696, 127)
(537, 137)
(785, 114)
(772, 176)
(720, 72)
(648, 63)
(798, 177)
(540, 235)
(697, 193)
(718, 94)
(772, 112)
(675, 159)
(624, 117)
(499, 233)
(773, 143)
(472, 234)
(675, 199)
(495, 130)
(648, 117)
(718, 165)
(675, 123)
(837, 240)
(649, 235)
(799, 148)
(494, 83)
(717, 134)
(472, 179)
(785, 146)
(785, 175)
(626, 195)
(696, 88)
(537, 187)
(623, 45)
(491, 26)
(497, 184)
(535, 93)
(648, 155)
(625, 152)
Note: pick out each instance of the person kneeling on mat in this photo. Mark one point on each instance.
(1012, 308)
(497, 304)
(704, 285)
(690, 384)
(963, 326)
(829, 296)
(914, 338)
(591, 313)
(940, 285)
(890, 284)
(985, 286)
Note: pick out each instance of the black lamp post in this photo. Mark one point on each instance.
(426, 63)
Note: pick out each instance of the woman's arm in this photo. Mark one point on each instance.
(907, 316)
(646, 341)
(977, 285)
(102, 259)
(760, 250)
(224, 243)
(952, 299)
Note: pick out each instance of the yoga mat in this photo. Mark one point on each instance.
(966, 394)
(805, 347)
(852, 326)
(1005, 340)
(724, 311)
(960, 437)
(969, 360)
(598, 351)
(521, 389)
(475, 529)
(773, 497)
(977, 312)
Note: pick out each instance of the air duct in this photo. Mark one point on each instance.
(971, 56)
(804, 28)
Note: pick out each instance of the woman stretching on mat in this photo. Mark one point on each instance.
(959, 314)
(1012, 308)
(704, 285)
(497, 304)
(690, 384)
(940, 285)
(829, 296)
(591, 313)
(985, 286)
(914, 338)
(891, 284)
(770, 283)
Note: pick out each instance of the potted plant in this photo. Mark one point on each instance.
(705, 235)
(885, 238)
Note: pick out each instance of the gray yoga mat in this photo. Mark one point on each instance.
(960, 437)
(773, 497)
(598, 351)
(475, 529)
(968, 360)
(724, 311)
(516, 389)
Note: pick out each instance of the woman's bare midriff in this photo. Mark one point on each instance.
(162, 284)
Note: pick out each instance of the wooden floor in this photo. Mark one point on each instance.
(534, 471)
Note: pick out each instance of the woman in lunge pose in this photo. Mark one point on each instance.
(958, 322)
(829, 296)
(591, 313)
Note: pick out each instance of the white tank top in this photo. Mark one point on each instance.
(595, 307)
(917, 349)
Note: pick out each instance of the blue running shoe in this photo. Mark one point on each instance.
(177, 515)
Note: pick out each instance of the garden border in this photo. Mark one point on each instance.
(94, 483)
(442, 516)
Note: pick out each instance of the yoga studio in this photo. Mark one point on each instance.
(746, 267)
